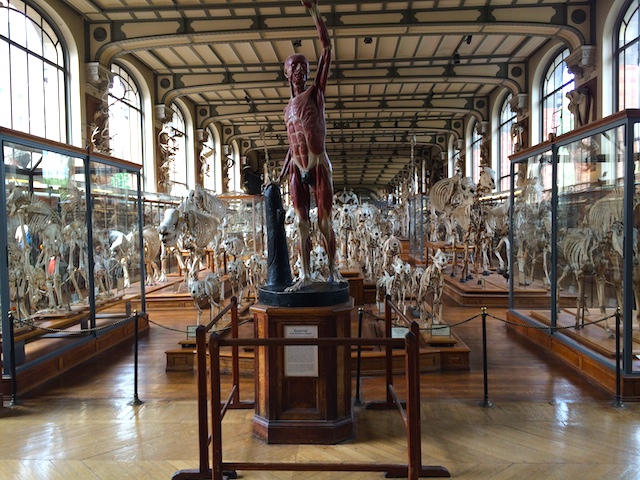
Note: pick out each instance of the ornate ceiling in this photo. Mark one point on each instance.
(402, 72)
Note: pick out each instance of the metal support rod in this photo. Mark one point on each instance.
(357, 401)
(12, 362)
(485, 402)
(136, 400)
(618, 400)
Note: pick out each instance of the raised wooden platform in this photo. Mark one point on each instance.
(51, 356)
(493, 291)
(589, 350)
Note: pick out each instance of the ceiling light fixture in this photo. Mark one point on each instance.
(297, 43)
(368, 40)
(456, 58)
(468, 39)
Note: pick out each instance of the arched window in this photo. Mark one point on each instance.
(234, 171)
(125, 116)
(505, 146)
(34, 73)
(212, 166)
(178, 171)
(474, 165)
(628, 58)
(557, 82)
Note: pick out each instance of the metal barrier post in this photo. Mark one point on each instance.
(136, 400)
(12, 360)
(618, 400)
(485, 402)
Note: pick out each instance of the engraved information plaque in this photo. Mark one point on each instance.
(301, 360)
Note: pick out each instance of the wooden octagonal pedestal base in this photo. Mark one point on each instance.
(303, 392)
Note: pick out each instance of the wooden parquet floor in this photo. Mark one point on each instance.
(546, 422)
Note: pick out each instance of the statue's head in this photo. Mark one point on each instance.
(296, 63)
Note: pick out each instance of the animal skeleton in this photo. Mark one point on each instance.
(208, 289)
(256, 268)
(192, 226)
(235, 275)
(432, 281)
(42, 222)
(583, 252)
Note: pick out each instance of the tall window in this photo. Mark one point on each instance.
(507, 120)
(178, 171)
(476, 142)
(125, 116)
(212, 166)
(233, 170)
(556, 117)
(628, 58)
(34, 73)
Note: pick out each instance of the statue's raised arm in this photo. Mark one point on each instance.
(324, 63)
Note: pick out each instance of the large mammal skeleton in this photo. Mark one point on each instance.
(191, 226)
(596, 248)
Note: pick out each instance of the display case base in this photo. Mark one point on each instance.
(589, 351)
(493, 291)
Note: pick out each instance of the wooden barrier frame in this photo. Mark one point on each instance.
(410, 415)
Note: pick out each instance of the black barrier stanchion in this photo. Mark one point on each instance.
(485, 402)
(618, 400)
(358, 402)
(12, 360)
(136, 400)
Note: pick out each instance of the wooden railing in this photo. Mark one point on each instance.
(410, 414)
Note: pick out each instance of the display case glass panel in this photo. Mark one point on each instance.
(590, 222)
(60, 206)
(245, 220)
(575, 231)
(116, 234)
(531, 222)
(46, 230)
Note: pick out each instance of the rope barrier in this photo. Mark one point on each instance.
(82, 331)
(179, 330)
(32, 324)
(509, 322)
(524, 325)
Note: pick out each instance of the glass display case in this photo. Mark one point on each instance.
(574, 232)
(73, 237)
(245, 220)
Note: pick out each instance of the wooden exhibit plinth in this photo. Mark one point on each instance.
(493, 291)
(589, 351)
(303, 393)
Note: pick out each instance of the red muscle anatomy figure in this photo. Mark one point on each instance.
(306, 162)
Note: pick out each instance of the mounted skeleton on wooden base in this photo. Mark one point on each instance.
(432, 281)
